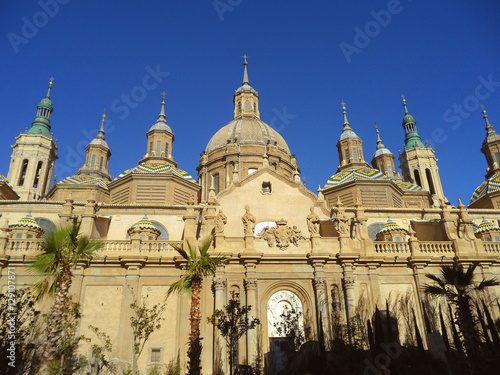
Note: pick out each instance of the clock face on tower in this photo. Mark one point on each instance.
(280, 302)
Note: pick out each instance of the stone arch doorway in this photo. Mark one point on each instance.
(281, 303)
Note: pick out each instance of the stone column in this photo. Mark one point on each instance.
(349, 281)
(220, 287)
(417, 269)
(88, 216)
(250, 283)
(78, 276)
(321, 293)
(190, 225)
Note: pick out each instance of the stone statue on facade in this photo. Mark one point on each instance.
(313, 222)
(248, 220)
(220, 221)
(341, 221)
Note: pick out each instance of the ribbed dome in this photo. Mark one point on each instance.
(247, 131)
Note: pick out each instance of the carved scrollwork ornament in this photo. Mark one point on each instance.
(349, 281)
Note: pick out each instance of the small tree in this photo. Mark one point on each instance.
(100, 353)
(290, 327)
(199, 263)
(233, 322)
(144, 322)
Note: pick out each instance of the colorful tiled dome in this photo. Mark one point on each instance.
(84, 180)
(26, 222)
(486, 226)
(355, 174)
(144, 224)
(489, 186)
(391, 226)
(157, 168)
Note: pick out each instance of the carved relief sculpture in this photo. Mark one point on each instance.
(341, 221)
(282, 235)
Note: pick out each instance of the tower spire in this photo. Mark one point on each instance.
(50, 87)
(347, 126)
(489, 127)
(380, 145)
(161, 116)
(100, 134)
(245, 73)
(404, 105)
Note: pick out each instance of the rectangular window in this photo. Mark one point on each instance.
(166, 149)
(155, 355)
(389, 169)
(158, 148)
(346, 155)
(92, 161)
(355, 155)
(216, 183)
(497, 157)
(101, 163)
(150, 148)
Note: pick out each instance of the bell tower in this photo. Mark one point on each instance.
(419, 162)
(160, 140)
(246, 99)
(34, 154)
(350, 147)
(97, 158)
(491, 148)
(383, 159)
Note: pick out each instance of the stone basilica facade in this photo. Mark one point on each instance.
(368, 232)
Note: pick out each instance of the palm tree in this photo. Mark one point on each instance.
(199, 264)
(457, 286)
(62, 249)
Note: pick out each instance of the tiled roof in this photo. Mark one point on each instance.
(26, 222)
(157, 168)
(84, 180)
(408, 186)
(489, 186)
(355, 174)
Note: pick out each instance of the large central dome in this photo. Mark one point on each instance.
(247, 131)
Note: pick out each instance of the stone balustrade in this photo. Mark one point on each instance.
(492, 247)
(390, 247)
(436, 247)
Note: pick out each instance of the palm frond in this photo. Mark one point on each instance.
(486, 283)
(437, 279)
(434, 290)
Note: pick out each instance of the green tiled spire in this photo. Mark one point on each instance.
(41, 123)
(412, 138)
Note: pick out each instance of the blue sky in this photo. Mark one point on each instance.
(305, 58)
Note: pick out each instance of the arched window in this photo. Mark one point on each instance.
(417, 178)
(429, 180)
(166, 149)
(355, 154)
(255, 107)
(239, 106)
(216, 183)
(247, 105)
(158, 148)
(23, 172)
(37, 174)
(101, 163)
(46, 224)
(373, 229)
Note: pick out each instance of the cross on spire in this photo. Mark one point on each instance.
(482, 106)
(245, 57)
(403, 97)
(51, 80)
(163, 94)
